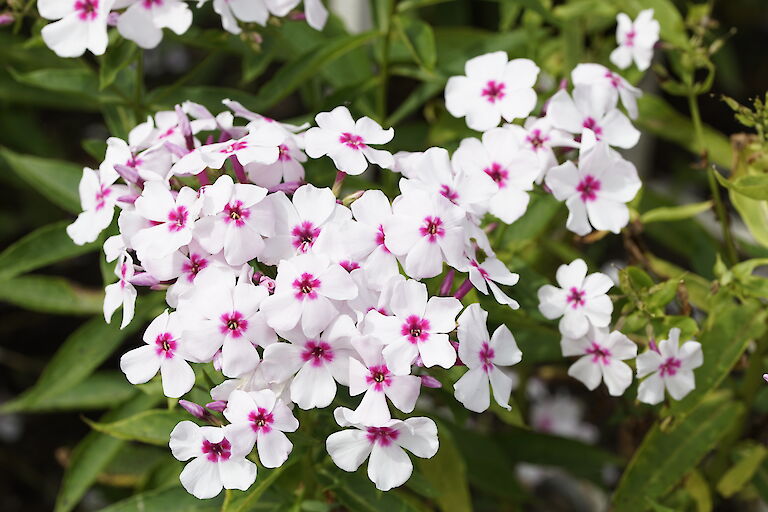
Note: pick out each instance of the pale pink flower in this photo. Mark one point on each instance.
(601, 355)
(150, 165)
(172, 219)
(98, 196)
(595, 192)
(219, 459)
(347, 142)
(636, 40)
(493, 88)
(484, 355)
(165, 351)
(581, 300)
(389, 466)
(260, 418)
(82, 26)
(670, 368)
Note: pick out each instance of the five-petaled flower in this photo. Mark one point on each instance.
(668, 367)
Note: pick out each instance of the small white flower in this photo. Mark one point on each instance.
(219, 459)
(144, 20)
(98, 197)
(492, 87)
(595, 192)
(373, 213)
(121, 293)
(601, 359)
(670, 368)
(484, 354)
(347, 141)
(389, 466)
(635, 39)
(580, 300)
(485, 275)
(165, 352)
(610, 83)
(82, 26)
(539, 136)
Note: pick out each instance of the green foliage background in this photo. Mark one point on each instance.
(703, 453)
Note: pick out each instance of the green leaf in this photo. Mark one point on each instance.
(666, 214)
(416, 100)
(152, 427)
(446, 472)
(741, 473)
(754, 213)
(665, 457)
(81, 82)
(49, 294)
(698, 489)
(175, 499)
(754, 186)
(56, 180)
(419, 39)
(93, 454)
(44, 246)
(99, 391)
(298, 71)
(118, 57)
(243, 501)
(727, 333)
(538, 7)
(355, 492)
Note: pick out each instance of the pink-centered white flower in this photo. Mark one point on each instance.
(425, 231)
(388, 465)
(219, 459)
(235, 220)
(315, 363)
(347, 142)
(492, 88)
(580, 301)
(98, 196)
(540, 137)
(373, 213)
(122, 293)
(172, 217)
(164, 351)
(81, 25)
(372, 376)
(597, 191)
(592, 108)
(636, 40)
(601, 355)
(610, 83)
(288, 167)
(261, 418)
(418, 327)
(223, 313)
(144, 20)
(512, 169)
(485, 275)
(484, 355)
(131, 162)
(669, 367)
(305, 289)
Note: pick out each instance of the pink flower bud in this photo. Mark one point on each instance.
(196, 410)
(430, 382)
(6, 18)
(218, 405)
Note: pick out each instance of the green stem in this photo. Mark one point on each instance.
(139, 87)
(730, 254)
(386, 28)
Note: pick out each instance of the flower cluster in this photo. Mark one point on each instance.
(290, 291)
(81, 25)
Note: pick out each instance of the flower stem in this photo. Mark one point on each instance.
(730, 254)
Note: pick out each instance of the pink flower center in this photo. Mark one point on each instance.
(195, 264)
(498, 174)
(599, 354)
(483, 273)
(148, 4)
(318, 352)
(486, 357)
(87, 10)
(591, 124)
(415, 329)
(432, 227)
(352, 141)
(167, 133)
(285, 153)
(614, 78)
(177, 218)
(123, 275)
(536, 139)
(349, 265)
(261, 420)
(448, 193)
(134, 162)
(101, 196)
(216, 452)
(165, 345)
(235, 146)
(379, 377)
(575, 298)
(588, 188)
(304, 236)
(380, 238)
(306, 286)
(494, 91)
(629, 39)
(233, 323)
(670, 367)
(382, 435)
(234, 212)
